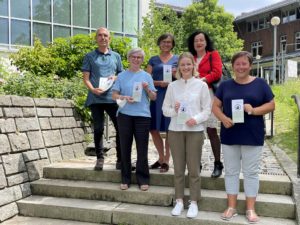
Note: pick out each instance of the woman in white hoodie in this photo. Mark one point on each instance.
(188, 104)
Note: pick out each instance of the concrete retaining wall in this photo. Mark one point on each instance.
(34, 133)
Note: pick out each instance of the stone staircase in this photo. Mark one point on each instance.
(74, 191)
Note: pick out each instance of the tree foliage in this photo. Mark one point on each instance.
(205, 15)
(157, 22)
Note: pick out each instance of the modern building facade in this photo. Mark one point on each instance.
(256, 30)
(22, 20)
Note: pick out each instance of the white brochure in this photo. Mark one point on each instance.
(183, 115)
(137, 91)
(167, 73)
(237, 107)
(105, 83)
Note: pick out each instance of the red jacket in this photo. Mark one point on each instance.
(210, 69)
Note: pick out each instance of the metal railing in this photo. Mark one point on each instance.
(297, 101)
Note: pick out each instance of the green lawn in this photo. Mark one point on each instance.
(286, 117)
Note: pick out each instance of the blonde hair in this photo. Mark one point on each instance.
(191, 57)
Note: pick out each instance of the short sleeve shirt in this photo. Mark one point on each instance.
(256, 93)
(101, 65)
(124, 85)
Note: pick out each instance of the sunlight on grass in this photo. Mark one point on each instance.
(286, 117)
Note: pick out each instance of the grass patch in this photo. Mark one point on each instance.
(286, 117)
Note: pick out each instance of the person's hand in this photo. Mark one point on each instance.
(113, 77)
(227, 122)
(145, 85)
(129, 99)
(97, 91)
(248, 109)
(191, 122)
(163, 84)
(177, 105)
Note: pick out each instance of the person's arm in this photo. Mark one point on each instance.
(88, 84)
(217, 110)
(260, 110)
(170, 108)
(215, 65)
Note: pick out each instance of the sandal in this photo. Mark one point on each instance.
(252, 216)
(144, 187)
(124, 187)
(228, 214)
(164, 168)
(155, 165)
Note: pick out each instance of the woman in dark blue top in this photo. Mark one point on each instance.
(240, 105)
(160, 66)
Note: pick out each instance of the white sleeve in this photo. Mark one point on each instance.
(168, 107)
(205, 105)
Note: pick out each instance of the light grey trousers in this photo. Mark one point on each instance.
(247, 157)
(186, 149)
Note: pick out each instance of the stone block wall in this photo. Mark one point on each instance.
(34, 133)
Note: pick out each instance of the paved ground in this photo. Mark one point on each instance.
(269, 164)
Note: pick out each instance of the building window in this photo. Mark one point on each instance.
(115, 15)
(257, 25)
(3, 31)
(4, 8)
(297, 41)
(81, 13)
(42, 32)
(20, 32)
(98, 13)
(20, 9)
(131, 16)
(283, 43)
(289, 16)
(62, 11)
(256, 48)
(41, 10)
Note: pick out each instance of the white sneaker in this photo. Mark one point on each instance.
(177, 210)
(193, 210)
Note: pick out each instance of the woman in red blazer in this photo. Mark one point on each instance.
(209, 67)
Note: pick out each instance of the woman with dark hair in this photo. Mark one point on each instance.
(209, 67)
(240, 105)
(162, 67)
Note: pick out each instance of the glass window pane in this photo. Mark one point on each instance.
(20, 9)
(20, 32)
(59, 31)
(98, 14)
(4, 31)
(80, 31)
(43, 32)
(41, 10)
(81, 13)
(3, 8)
(115, 15)
(131, 16)
(62, 11)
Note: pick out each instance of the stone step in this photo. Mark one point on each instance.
(271, 184)
(122, 213)
(272, 205)
(22, 220)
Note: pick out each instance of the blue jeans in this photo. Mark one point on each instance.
(249, 157)
(137, 127)
(98, 120)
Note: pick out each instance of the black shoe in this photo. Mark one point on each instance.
(200, 167)
(217, 170)
(118, 165)
(99, 164)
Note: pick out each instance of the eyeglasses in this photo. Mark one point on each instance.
(136, 57)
